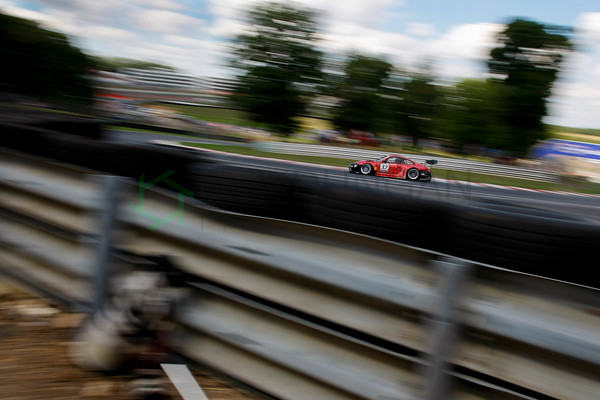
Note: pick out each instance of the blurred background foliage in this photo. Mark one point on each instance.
(282, 75)
(526, 64)
(40, 63)
(503, 112)
(117, 63)
(278, 64)
(360, 104)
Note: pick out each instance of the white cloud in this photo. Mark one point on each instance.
(166, 22)
(106, 10)
(576, 96)
(46, 20)
(182, 41)
(458, 53)
(202, 58)
(72, 16)
(469, 41)
(167, 34)
(462, 51)
(164, 4)
(225, 28)
(421, 29)
(9, 8)
(588, 25)
(359, 12)
(348, 27)
(346, 38)
(60, 21)
(575, 104)
(101, 32)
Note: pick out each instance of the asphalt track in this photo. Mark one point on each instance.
(585, 206)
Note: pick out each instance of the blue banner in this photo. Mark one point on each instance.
(560, 147)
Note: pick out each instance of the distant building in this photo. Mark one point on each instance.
(152, 84)
(166, 78)
(161, 77)
(219, 85)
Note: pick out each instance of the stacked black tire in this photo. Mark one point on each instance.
(245, 190)
(516, 238)
(328, 203)
(529, 240)
(80, 141)
(373, 211)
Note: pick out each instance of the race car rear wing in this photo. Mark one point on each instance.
(431, 162)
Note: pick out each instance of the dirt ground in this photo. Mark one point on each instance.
(34, 362)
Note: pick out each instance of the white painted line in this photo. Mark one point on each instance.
(184, 381)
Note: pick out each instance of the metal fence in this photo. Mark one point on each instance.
(299, 311)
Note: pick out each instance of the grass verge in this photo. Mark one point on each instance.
(123, 128)
(218, 115)
(241, 118)
(337, 162)
(578, 137)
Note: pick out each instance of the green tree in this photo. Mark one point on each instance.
(470, 114)
(361, 102)
(417, 105)
(528, 62)
(42, 63)
(279, 65)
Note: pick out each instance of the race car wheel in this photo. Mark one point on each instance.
(412, 174)
(366, 169)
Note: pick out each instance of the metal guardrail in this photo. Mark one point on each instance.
(454, 164)
(56, 227)
(299, 311)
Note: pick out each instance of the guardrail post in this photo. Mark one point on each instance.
(112, 191)
(444, 327)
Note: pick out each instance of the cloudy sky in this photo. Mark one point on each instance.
(191, 35)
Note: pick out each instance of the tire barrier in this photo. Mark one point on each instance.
(32, 119)
(78, 141)
(81, 151)
(79, 126)
(245, 190)
(137, 161)
(362, 209)
(24, 138)
(147, 161)
(523, 239)
(149, 127)
(529, 240)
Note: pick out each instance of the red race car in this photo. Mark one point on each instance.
(394, 166)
